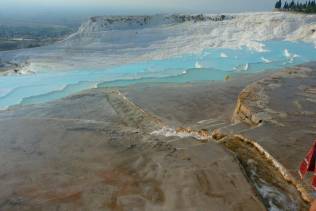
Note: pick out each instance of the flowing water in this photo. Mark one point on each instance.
(211, 64)
(276, 193)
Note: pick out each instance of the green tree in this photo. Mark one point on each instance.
(286, 6)
(292, 5)
(278, 4)
(296, 6)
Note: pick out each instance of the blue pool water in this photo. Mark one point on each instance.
(211, 64)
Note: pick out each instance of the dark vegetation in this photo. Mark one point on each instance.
(200, 18)
(307, 7)
(29, 36)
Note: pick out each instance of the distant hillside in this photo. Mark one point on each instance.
(18, 36)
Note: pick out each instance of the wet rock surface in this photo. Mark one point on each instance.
(93, 151)
(188, 104)
(234, 145)
(281, 116)
(264, 174)
(276, 113)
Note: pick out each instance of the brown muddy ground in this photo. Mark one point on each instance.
(279, 113)
(96, 151)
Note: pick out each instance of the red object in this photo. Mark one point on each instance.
(308, 164)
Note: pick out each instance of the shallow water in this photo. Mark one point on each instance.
(211, 64)
(277, 193)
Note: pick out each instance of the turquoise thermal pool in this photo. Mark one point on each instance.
(211, 64)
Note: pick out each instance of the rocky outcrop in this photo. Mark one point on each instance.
(104, 23)
(245, 110)
(270, 133)
(275, 115)
(201, 134)
(253, 102)
(131, 114)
